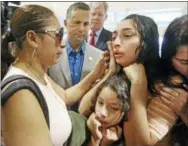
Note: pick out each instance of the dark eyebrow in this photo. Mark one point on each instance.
(127, 29)
(115, 31)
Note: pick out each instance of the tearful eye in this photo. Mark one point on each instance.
(127, 36)
(100, 102)
(115, 109)
(113, 38)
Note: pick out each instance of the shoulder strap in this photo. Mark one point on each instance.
(19, 82)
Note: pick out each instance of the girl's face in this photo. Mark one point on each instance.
(126, 42)
(180, 60)
(108, 108)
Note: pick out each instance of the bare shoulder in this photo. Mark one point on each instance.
(23, 118)
(22, 105)
(20, 100)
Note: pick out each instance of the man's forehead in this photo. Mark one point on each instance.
(79, 12)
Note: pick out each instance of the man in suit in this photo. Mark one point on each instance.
(79, 57)
(98, 35)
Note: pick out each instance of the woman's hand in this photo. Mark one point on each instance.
(175, 98)
(135, 73)
(111, 135)
(101, 66)
(112, 64)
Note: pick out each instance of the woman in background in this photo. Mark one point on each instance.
(174, 73)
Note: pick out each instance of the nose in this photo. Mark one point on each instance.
(104, 112)
(116, 44)
(82, 27)
(95, 16)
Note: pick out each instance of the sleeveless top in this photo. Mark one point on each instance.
(60, 122)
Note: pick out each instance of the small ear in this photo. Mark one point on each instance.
(65, 23)
(106, 16)
(31, 38)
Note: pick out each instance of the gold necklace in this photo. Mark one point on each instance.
(38, 77)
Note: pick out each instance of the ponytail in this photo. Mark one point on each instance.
(6, 57)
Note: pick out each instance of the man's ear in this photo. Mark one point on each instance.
(65, 22)
(31, 38)
(106, 16)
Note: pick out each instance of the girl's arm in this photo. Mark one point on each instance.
(88, 101)
(76, 92)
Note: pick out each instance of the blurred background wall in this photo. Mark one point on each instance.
(162, 12)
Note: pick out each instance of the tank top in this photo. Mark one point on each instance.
(60, 122)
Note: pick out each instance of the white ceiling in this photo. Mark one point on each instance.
(60, 7)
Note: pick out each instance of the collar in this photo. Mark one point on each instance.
(69, 48)
(96, 32)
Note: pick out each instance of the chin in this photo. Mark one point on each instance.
(121, 63)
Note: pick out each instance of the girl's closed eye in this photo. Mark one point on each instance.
(127, 35)
(100, 102)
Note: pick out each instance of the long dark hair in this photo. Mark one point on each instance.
(28, 17)
(149, 45)
(120, 84)
(175, 36)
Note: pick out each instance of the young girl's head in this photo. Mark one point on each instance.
(113, 100)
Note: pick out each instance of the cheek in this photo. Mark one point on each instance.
(114, 118)
(48, 52)
(181, 68)
(97, 109)
(128, 58)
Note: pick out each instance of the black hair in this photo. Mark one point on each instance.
(176, 35)
(28, 17)
(76, 6)
(149, 45)
(120, 84)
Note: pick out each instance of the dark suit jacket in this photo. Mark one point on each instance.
(104, 36)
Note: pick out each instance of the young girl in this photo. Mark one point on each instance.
(105, 123)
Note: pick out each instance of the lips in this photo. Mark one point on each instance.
(95, 22)
(118, 55)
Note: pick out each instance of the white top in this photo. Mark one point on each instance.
(60, 123)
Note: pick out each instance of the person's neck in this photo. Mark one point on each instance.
(96, 30)
(75, 46)
(33, 67)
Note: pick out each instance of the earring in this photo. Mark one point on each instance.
(34, 55)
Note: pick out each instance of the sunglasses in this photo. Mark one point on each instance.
(56, 34)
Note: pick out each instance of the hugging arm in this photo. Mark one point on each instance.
(148, 125)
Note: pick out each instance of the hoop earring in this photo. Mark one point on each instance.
(34, 55)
